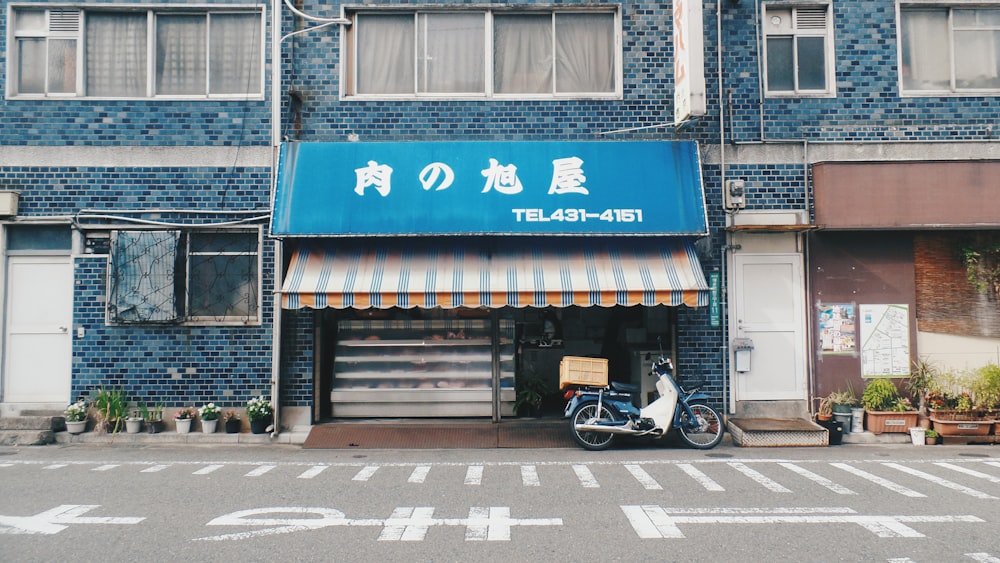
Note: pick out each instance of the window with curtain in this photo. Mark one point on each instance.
(205, 277)
(798, 50)
(191, 54)
(480, 53)
(949, 50)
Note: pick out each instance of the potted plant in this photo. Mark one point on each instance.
(133, 423)
(76, 417)
(183, 419)
(825, 411)
(531, 392)
(931, 437)
(209, 418)
(885, 409)
(259, 411)
(110, 407)
(232, 422)
(153, 418)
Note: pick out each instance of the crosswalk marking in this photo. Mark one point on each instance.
(894, 487)
(982, 557)
(700, 478)
(586, 478)
(645, 479)
(968, 471)
(154, 469)
(529, 476)
(474, 475)
(55, 466)
(260, 470)
(208, 469)
(839, 489)
(419, 474)
(312, 471)
(759, 477)
(365, 473)
(943, 482)
(107, 467)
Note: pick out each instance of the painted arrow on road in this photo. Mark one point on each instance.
(58, 519)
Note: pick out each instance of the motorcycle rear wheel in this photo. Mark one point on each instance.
(707, 433)
(589, 413)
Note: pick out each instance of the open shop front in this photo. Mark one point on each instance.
(445, 277)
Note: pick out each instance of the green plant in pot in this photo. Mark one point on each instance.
(153, 417)
(880, 395)
(110, 408)
(531, 392)
(842, 401)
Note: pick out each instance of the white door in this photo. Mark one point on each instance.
(37, 344)
(769, 310)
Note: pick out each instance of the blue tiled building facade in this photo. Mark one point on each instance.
(789, 87)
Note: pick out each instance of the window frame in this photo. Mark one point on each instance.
(949, 8)
(349, 39)
(829, 47)
(152, 11)
(181, 290)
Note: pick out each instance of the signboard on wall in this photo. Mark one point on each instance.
(885, 340)
(689, 60)
(838, 328)
(484, 188)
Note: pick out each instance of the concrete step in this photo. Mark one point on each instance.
(26, 437)
(777, 432)
(33, 422)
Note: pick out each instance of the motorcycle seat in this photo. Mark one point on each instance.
(693, 385)
(624, 387)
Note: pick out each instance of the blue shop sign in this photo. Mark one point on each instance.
(489, 188)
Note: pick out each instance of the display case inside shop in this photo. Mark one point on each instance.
(416, 368)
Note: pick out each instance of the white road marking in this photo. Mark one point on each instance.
(894, 487)
(753, 474)
(993, 463)
(55, 466)
(419, 474)
(260, 471)
(900, 560)
(645, 479)
(586, 478)
(653, 522)
(105, 467)
(2, 465)
(704, 480)
(208, 469)
(982, 557)
(943, 482)
(154, 469)
(839, 489)
(967, 471)
(474, 475)
(312, 471)
(405, 524)
(529, 476)
(58, 519)
(365, 473)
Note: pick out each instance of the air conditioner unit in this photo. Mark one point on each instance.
(8, 203)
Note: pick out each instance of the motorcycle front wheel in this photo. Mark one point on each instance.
(707, 432)
(588, 413)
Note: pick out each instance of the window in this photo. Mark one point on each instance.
(798, 51)
(484, 54)
(949, 50)
(65, 52)
(171, 277)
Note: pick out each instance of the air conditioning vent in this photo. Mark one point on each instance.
(810, 18)
(64, 20)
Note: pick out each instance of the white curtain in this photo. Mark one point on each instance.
(235, 55)
(522, 54)
(976, 48)
(181, 61)
(385, 58)
(116, 54)
(31, 66)
(926, 51)
(585, 59)
(451, 53)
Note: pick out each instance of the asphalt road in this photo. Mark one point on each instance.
(185, 503)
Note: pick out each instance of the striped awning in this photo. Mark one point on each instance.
(427, 272)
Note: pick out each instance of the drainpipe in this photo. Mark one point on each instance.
(276, 79)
